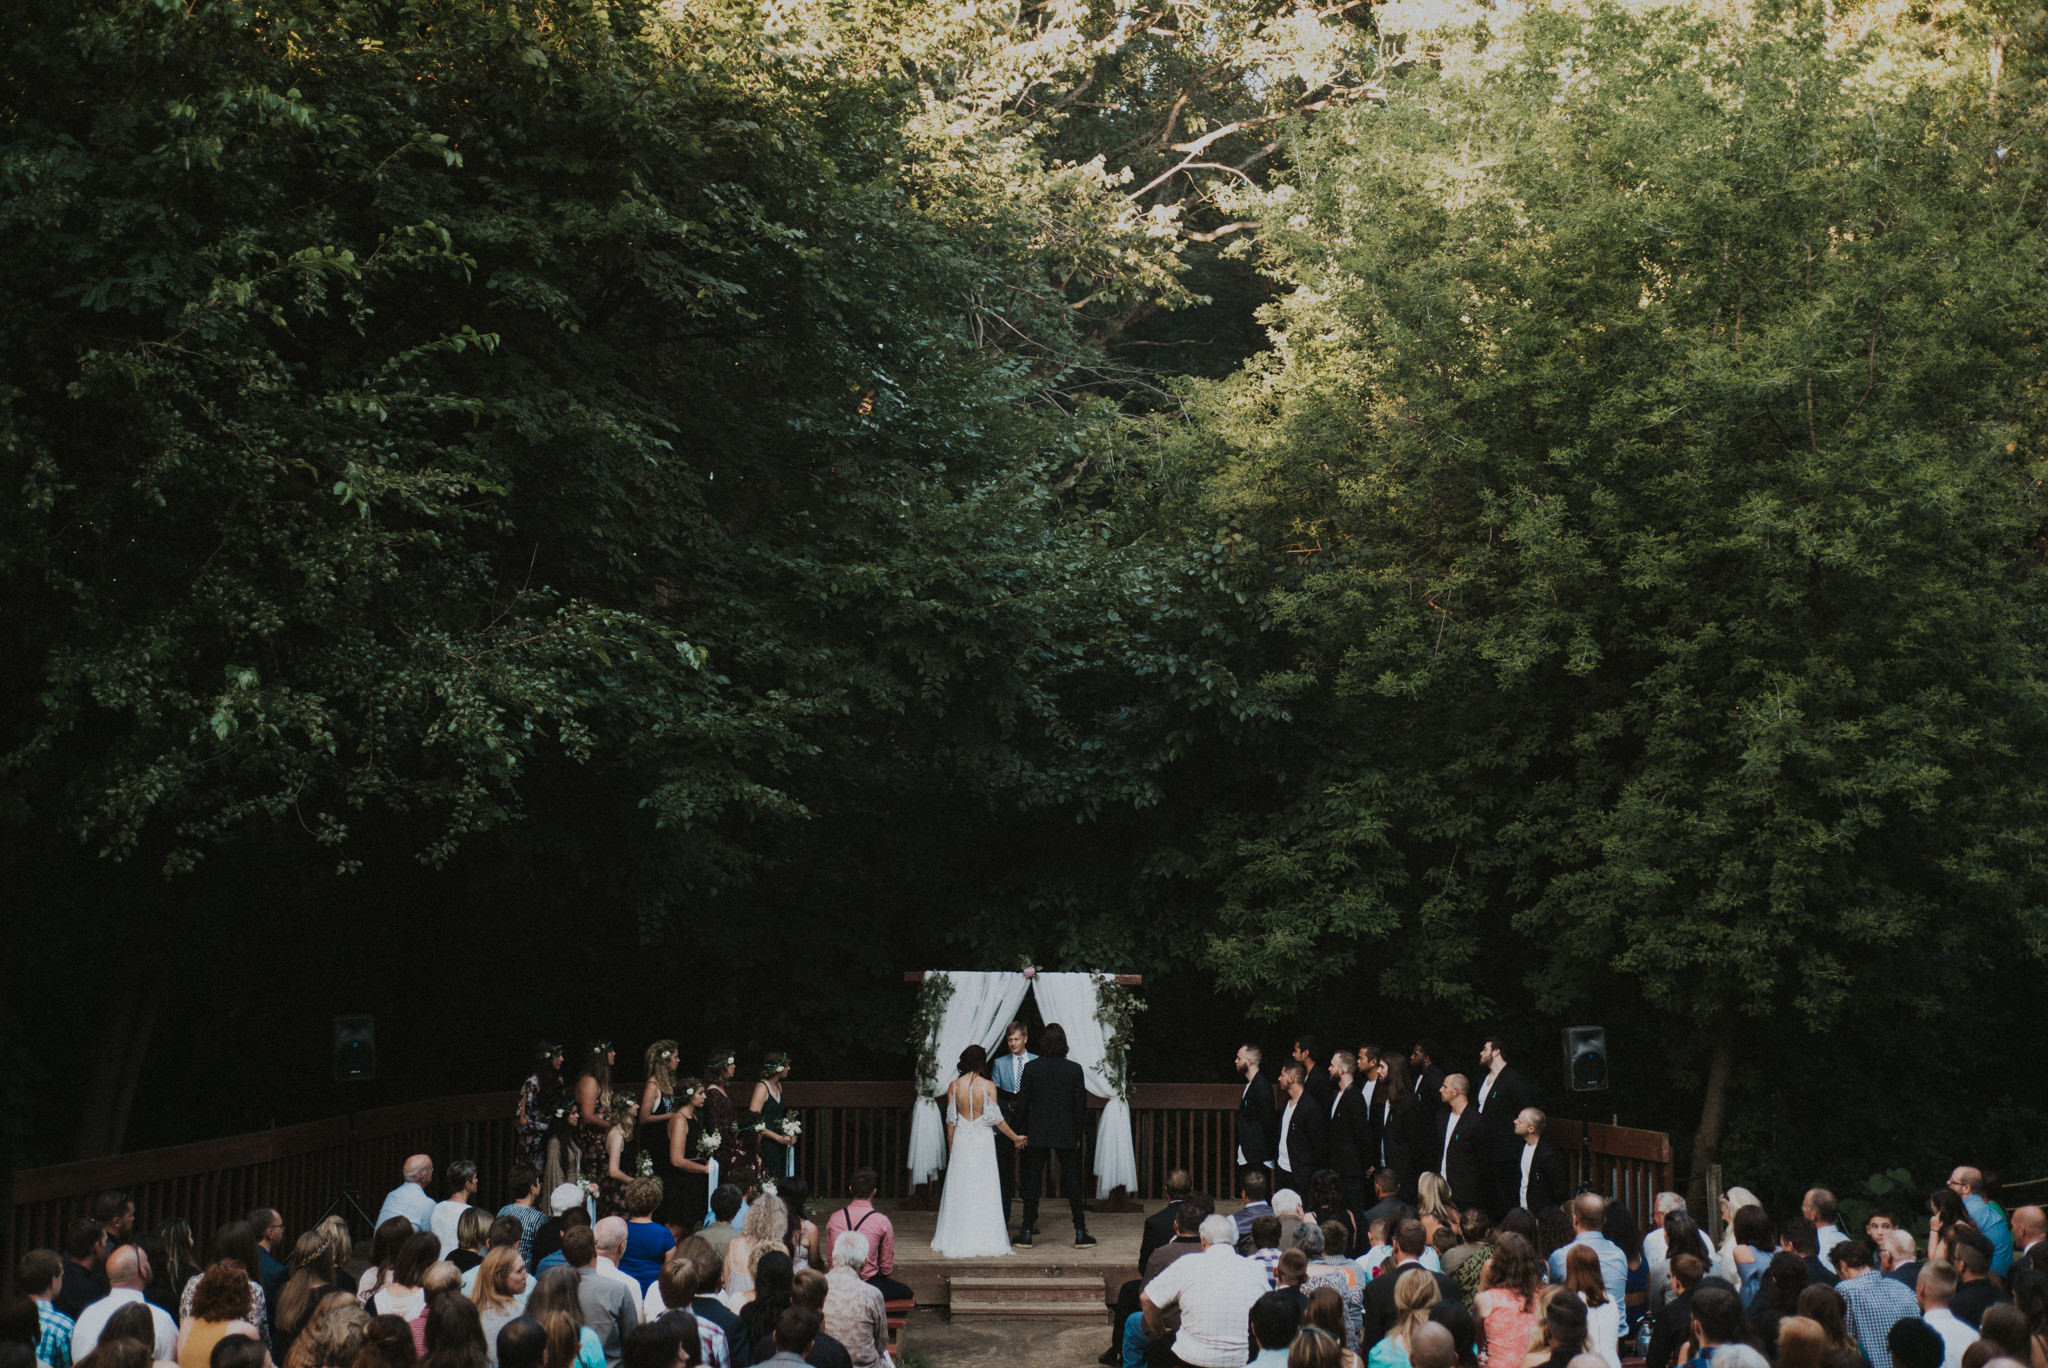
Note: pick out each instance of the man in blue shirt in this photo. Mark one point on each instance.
(1008, 1073)
(409, 1199)
(1968, 1183)
(1873, 1302)
(1589, 1216)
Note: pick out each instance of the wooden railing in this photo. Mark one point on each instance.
(301, 1170)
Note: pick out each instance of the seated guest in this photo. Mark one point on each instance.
(661, 1344)
(809, 1290)
(725, 1209)
(221, 1306)
(312, 1277)
(84, 1281)
(557, 1304)
(1252, 1188)
(332, 1336)
(647, 1241)
(523, 1344)
(855, 1313)
(409, 1199)
(1415, 1291)
(499, 1294)
(1275, 1320)
(128, 1274)
(524, 1208)
(1214, 1292)
(859, 1217)
(796, 1331)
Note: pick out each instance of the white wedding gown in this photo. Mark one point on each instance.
(971, 1224)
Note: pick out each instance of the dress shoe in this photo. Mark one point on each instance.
(1023, 1238)
(1082, 1237)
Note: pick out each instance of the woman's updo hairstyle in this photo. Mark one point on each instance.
(974, 1060)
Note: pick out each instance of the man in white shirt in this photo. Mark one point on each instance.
(128, 1274)
(2029, 1226)
(1819, 1207)
(1661, 1206)
(1215, 1291)
(409, 1199)
(611, 1247)
(1935, 1290)
(447, 1213)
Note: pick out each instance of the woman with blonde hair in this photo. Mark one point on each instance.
(1583, 1279)
(499, 1293)
(1539, 1348)
(1802, 1342)
(1435, 1208)
(340, 1243)
(657, 1104)
(766, 1228)
(1414, 1294)
(1732, 1201)
(332, 1335)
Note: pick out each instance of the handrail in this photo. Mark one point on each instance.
(300, 1169)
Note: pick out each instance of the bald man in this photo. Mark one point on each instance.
(1433, 1347)
(409, 1199)
(127, 1275)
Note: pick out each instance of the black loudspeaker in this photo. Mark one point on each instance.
(1585, 1059)
(355, 1048)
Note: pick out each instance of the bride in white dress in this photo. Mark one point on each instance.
(971, 1224)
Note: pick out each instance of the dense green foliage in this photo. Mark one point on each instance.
(682, 485)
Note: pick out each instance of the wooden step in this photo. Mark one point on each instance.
(1044, 1295)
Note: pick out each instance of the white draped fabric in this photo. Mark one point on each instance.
(1069, 999)
(982, 1004)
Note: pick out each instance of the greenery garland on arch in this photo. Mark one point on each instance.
(932, 997)
(1116, 1012)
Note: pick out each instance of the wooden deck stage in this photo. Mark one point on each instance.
(1103, 1267)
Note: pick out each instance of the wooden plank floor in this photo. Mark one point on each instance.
(1109, 1262)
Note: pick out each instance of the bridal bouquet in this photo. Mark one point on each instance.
(790, 1128)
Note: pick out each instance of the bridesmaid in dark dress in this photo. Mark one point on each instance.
(657, 1102)
(721, 1118)
(686, 1191)
(588, 1123)
(777, 1161)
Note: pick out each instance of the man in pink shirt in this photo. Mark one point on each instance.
(859, 1214)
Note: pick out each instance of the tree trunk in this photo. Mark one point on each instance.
(1706, 1140)
(109, 1099)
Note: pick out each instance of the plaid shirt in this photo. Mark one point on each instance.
(1875, 1304)
(54, 1344)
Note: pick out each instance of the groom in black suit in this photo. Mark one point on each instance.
(1053, 1101)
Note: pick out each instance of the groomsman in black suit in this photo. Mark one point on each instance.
(1540, 1177)
(1351, 1139)
(1502, 1096)
(1460, 1152)
(1308, 1052)
(1257, 1116)
(1303, 1131)
(1053, 1099)
(1429, 1078)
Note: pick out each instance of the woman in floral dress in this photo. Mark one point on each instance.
(537, 1099)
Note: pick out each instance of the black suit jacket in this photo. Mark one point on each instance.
(1549, 1177)
(1307, 1135)
(1464, 1166)
(1158, 1231)
(1407, 1131)
(1258, 1121)
(1379, 1302)
(1505, 1100)
(1319, 1083)
(1429, 1088)
(1052, 1099)
(1351, 1149)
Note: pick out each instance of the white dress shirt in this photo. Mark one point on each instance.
(1286, 1118)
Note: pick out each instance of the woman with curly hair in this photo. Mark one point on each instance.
(222, 1305)
(766, 1228)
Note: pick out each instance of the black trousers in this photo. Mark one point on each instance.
(1006, 1166)
(1070, 1178)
